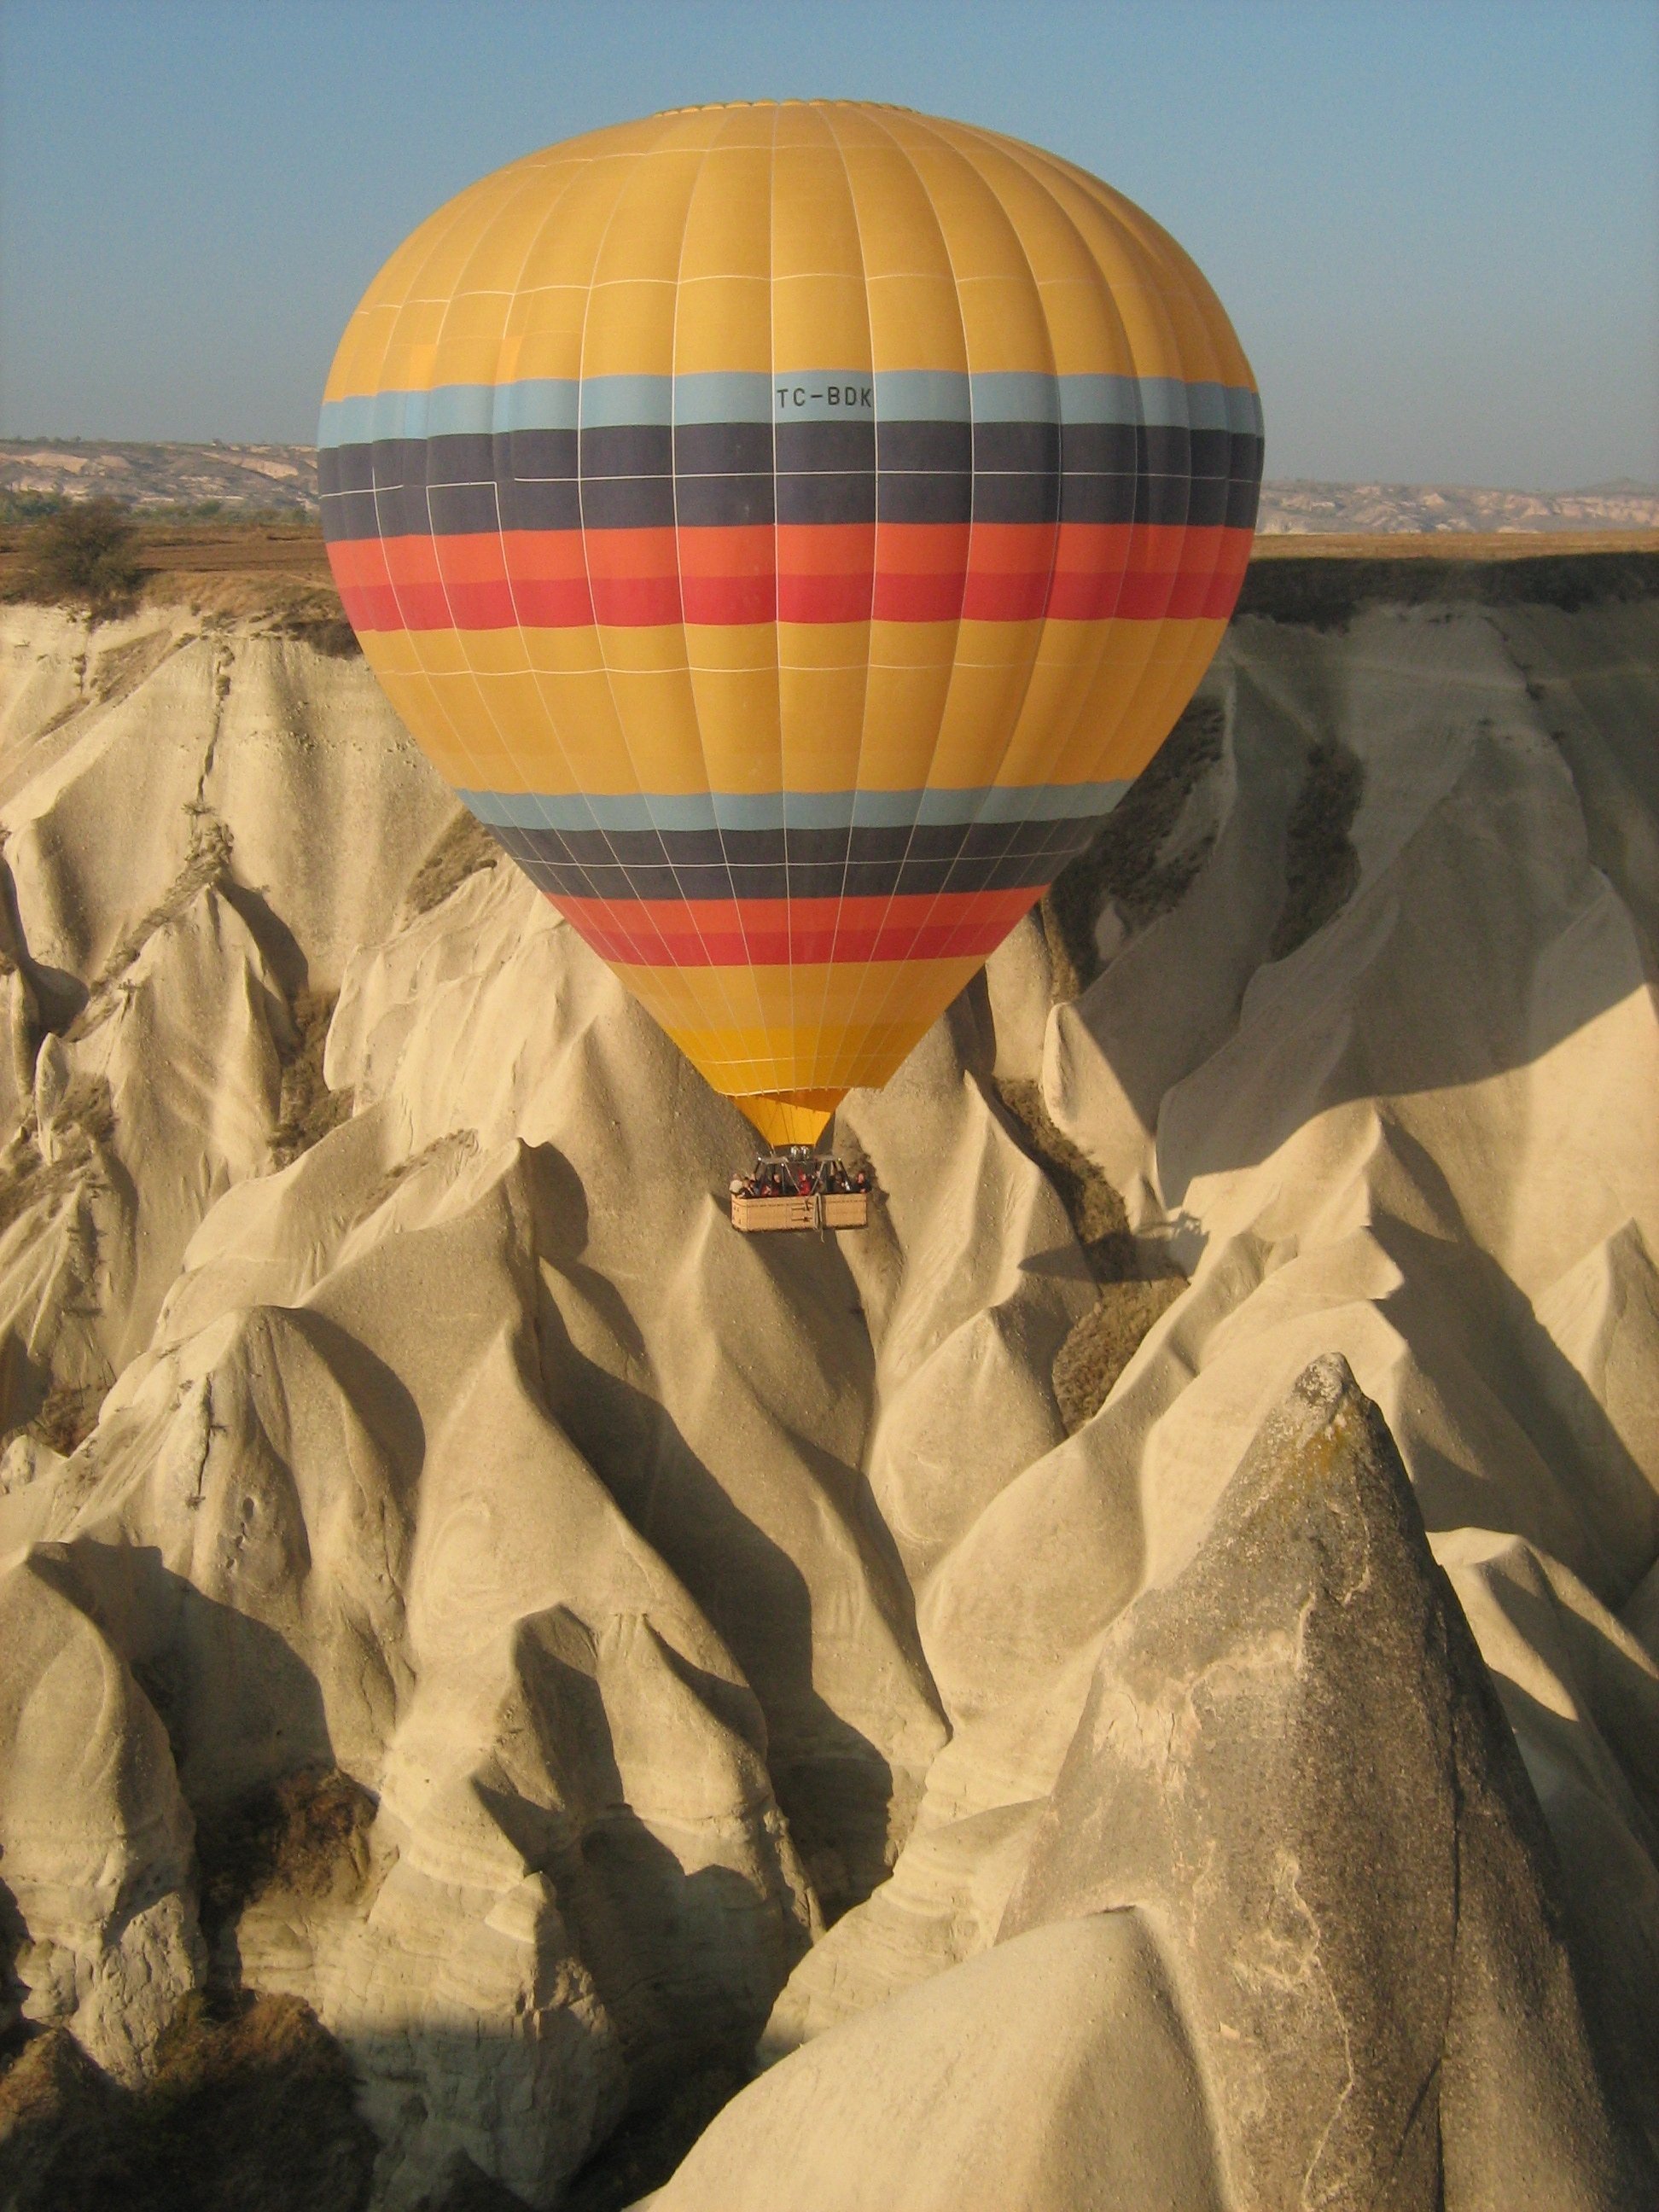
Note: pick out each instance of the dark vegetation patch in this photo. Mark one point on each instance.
(1321, 868)
(1325, 592)
(1134, 1287)
(465, 848)
(324, 630)
(307, 1108)
(68, 1415)
(20, 507)
(306, 1836)
(1125, 863)
(1103, 1343)
(82, 556)
(1094, 1208)
(251, 2109)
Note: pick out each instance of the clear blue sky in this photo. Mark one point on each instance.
(1435, 222)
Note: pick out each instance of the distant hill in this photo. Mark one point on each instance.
(248, 479)
(1301, 506)
(233, 478)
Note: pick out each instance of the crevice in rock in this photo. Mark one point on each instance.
(1136, 1285)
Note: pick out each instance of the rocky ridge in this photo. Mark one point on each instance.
(453, 1583)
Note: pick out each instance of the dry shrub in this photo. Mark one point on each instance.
(1103, 1342)
(48, 2080)
(1321, 869)
(304, 1836)
(83, 556)
(1125, 862)
(465, 848)
(1135, 1287)
(68, 1415)
(251, 2109)
(307, 1109)
(1093, 1205)
(325, 632)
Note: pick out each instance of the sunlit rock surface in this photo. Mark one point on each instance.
(451, 1579)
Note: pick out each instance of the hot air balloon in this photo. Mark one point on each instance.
(789, 527)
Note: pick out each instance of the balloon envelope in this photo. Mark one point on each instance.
(789, 527)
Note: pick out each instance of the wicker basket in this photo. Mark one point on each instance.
(820, 1210)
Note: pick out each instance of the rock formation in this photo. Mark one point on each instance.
(1288, 1929)
(450, 1581)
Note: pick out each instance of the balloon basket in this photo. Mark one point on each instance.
(799, 1188)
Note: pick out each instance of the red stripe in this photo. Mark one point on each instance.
(636, 578)
(796, 932)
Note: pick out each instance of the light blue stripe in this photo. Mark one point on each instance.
(724, 396)
(749, 809)
(616, 403)
(900, 396)
(888, 809)
(1054, 802)
(1100, 399)
(1016, 395)
(797, 810)
(923, 395)
(344, 423)
(539, 403)
(455, 410)
(527, 809)
(823, 395)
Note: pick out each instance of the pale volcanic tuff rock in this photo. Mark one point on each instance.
(704, 1624)
(1287, 1933)
(1292, 1762)
(1420, 1138)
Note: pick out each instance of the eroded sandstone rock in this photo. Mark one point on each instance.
(1293, 1762)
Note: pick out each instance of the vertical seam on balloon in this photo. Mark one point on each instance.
(827, 115)
(581, 509)
(1144, 697)
(478, 688)
(680, 593)
(921, 124)
(550, 216)
(1134, 696)
(1060, 482)
(1060, 485)
(887, 990)
(1017, 153)
(716, 970)
(1149, 697)
(615, 907)
(772, 416)
(462, 746)
(1213, 362)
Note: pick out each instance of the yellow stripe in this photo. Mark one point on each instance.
(551, 690)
